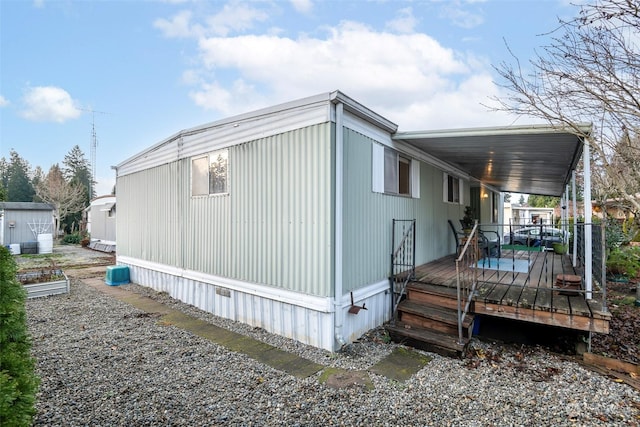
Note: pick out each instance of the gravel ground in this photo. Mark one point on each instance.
(104, 363)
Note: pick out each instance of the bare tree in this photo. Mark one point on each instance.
(65, 197)
(589, 73)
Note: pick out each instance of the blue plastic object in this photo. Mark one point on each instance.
(117, 275)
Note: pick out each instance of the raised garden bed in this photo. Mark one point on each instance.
(43, 283)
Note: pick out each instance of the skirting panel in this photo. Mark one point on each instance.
(309, 325)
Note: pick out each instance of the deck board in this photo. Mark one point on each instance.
(526, 296)
(579, 306)
(544, 299)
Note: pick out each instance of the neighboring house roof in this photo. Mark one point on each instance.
(535, 159)
(26, 206)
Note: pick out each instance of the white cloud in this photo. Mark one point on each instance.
(3, 101)
(234, 17)
(406, 76)
(302, 6)
(49, 104)
(461, 15)
(404, 22)
(410, 78)
(179, 26)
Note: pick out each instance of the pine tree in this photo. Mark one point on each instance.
(77, 171)
(38, 177)
(19, 186)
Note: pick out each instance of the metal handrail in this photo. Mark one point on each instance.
(403, 260)
(466, 276)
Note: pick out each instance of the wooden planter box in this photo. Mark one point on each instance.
(39, 284)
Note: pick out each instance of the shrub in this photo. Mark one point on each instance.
(73, 238)
(18, 382)
(624, 261)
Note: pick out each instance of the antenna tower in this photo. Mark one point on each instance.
(94, 146)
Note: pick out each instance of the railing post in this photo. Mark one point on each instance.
(413, 270)
(392, 278)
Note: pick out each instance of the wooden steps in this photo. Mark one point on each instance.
(427, 319)
(424, 339)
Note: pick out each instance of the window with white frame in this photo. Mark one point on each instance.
(397, 173)
(394, 173)
(452, 189)
(209, 174)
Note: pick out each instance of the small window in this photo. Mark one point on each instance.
(209, 174)
(397, 173)
(452, 191)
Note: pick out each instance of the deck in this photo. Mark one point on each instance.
(522, 285)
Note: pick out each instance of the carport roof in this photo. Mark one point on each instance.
(535, 159)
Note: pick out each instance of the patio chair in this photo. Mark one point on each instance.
(489, 246)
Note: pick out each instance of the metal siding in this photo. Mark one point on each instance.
(368, 217)
(281, 203)
(377, 313)
(103, 226)
(302, 324)
(22, 233)
(149, 220)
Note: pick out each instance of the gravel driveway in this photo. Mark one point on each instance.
(105, 363)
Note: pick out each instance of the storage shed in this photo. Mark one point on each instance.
(22, 222)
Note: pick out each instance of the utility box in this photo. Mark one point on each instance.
(117, 275)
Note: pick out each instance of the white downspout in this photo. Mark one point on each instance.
(338, 194)
(588, 249)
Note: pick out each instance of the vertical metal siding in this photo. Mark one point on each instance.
(149, 222)
(281, 210)
(273, 228)
(368, 216)
(302, 324)
(22, 233)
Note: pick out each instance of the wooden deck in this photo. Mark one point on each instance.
(524, 288)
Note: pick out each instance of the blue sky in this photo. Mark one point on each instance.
(152, 68)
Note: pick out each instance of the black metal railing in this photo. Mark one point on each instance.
(528, 244)
(403, 259)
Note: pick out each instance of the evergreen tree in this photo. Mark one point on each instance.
(77, 169)
(4, 166)
(38, 177)
(4, 173)
(536, 201)
(18, 383)
(19, 186)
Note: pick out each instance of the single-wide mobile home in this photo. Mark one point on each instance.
(282, 218)
(101, 223)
